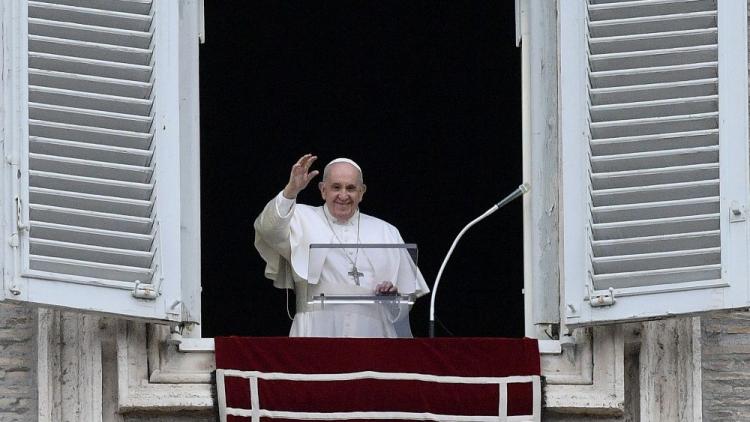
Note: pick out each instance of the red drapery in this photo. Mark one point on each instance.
(462, 357)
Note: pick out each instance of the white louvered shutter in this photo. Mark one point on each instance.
(94, 182)
(655, 157)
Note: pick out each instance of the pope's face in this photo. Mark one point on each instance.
(342, 190)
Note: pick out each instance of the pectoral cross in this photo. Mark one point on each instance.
(355, 274)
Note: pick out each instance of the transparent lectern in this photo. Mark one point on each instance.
(343, 277)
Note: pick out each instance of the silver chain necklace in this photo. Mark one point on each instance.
(355, 274)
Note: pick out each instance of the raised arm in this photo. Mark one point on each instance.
(272, 225)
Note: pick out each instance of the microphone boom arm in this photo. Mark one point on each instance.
(522, 189)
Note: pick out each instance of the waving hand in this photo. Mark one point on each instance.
(300, 176)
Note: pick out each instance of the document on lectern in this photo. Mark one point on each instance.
(349, 273)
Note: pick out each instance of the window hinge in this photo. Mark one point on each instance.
(13, 240)
(602, 299)
(175, 334)
(20, 225)
(737, 212)
(19, 216)
(175, 309)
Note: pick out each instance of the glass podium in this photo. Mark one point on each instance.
(346, 277)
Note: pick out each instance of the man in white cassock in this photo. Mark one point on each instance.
(285, 230)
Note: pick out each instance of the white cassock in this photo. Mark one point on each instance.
(284, 232)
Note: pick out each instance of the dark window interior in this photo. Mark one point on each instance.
(424, 95)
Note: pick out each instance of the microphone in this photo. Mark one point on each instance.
(520, 190)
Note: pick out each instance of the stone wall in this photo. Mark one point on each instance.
(17, 364)
(65, 366)
(631, 409)
(726, 367)
(725, 347)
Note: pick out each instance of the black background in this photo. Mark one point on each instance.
(424, 95)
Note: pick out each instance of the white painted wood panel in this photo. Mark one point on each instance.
(655, 158)
(101, 182)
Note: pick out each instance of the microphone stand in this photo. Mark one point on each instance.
(522, 189)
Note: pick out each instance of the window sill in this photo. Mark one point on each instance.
(206, 345)
(196, 345)
(588, 374)
(550, 347)
(154, 376)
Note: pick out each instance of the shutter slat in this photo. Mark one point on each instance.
(643, 55)
(88, 83)
(91, 185)
(648, 244)
(654, 125)
(654, 41)
(97, 237)
(93, 270)
(657, 260)
(654, 120)
(90, 168)
(91, 101)
(600, 2)
(86, 15)
(633, 106)
(643, 58)
(142, 7)
(95, 152)
(655, 159)
(90, 134)
(99, 203)
(103, 119)
(643, 194)
(656, 227)
(90, 253)
(89, 50)
(670, 89)
(654, 210)
(653, 75)
(91, 219)
(91, 67)
(656, 277)
(651, 24)
(654, 176)
(654, 91)
(92, 33)
(624, 145)
(636, 9)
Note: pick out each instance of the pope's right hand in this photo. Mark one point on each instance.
(300, 176)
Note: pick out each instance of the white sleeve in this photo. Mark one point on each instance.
(284, 205)
(272, 226)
